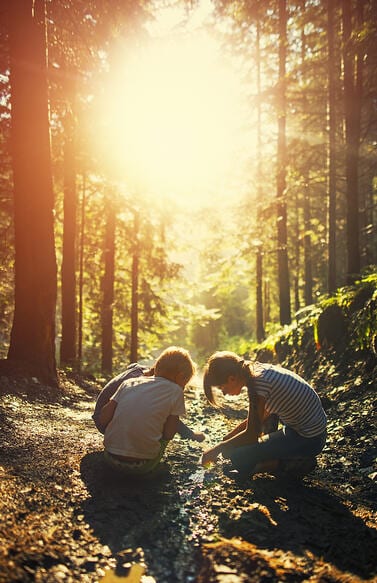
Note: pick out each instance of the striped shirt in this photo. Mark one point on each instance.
(291, 398)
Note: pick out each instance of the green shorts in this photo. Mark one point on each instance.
(137, 468)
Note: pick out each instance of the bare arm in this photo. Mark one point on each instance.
(170, 427)
(245, 436)
(186, 433)
(107, 413)
(241, 427)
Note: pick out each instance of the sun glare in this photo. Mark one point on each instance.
(175, 118)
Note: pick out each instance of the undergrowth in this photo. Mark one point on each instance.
(339, 330)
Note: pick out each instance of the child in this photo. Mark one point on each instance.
(143, 413)
(272, 390)
(132, 371)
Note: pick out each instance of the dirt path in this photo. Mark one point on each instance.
(64, 517)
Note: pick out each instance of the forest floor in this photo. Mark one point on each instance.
(65, 518)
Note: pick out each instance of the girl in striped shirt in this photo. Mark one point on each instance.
(273, 392)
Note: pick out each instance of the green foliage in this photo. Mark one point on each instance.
(238, 344)
(222, 290)
(361, 304)
(357, 303)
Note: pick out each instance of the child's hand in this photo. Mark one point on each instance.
(198, 436)
(209, 457)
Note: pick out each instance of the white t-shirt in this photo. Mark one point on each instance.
(143, 406)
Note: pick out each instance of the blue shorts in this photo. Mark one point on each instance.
(279, 445)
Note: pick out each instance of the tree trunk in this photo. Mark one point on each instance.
(267, 300)
(308, 271)
(81, 272)
(68, 275)
(32, 339)
(134, 348)
(259, 256)
(369, 219)
(332, 72)
(297, 256)
(284, 291)
(352, 105)
(259, 293)
(108, 291)
(359, 90)
(308, 289)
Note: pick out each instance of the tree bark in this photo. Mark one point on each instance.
(308, 269)
(332, 149)
(259, 294)
(81, 271)
(259, 255)
(68, 275)
(283, 271)
(32, 339)
(134, 349)
(352, 105)
(108, 291)
(297, 255)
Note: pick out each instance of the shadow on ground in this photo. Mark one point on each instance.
(298, 517)
(285, 516)
(138, 518)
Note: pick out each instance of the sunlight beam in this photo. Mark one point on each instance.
(173, 117)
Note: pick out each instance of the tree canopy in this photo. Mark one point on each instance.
(176, 172)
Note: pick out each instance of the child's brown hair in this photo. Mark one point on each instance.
(174, 360)
(220, 366)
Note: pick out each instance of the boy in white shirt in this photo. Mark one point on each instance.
(132, 371)
(143, 414)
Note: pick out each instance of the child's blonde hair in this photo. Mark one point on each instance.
(174, 360)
